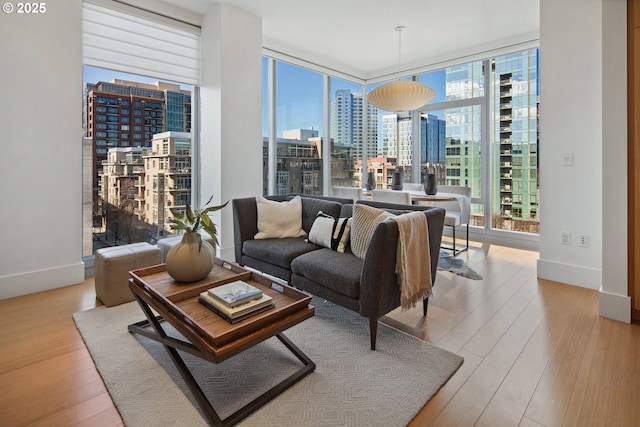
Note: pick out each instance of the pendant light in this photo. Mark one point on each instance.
(400, 95)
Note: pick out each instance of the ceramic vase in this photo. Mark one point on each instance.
(371, 181)
(431, 184)
(396, 183)
(188, 261)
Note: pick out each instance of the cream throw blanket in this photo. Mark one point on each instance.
(413, 260)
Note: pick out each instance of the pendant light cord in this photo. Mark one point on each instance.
(399, 29)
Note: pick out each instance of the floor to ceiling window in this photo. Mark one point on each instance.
(451, 129)
(480, 131)
(137, 156)
(139, 107)
(299, 119)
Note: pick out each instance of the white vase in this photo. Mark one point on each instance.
(188, 261)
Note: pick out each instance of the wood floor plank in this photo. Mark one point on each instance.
(469, 403)
(473, 310)
(508, 405)
(483, 327)
(95, 412)
(549, 403)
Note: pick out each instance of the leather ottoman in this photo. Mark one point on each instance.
(112, 266)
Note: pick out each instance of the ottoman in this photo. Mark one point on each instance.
(112, 266)
(167, 243)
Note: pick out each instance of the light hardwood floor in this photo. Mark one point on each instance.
(536, 353)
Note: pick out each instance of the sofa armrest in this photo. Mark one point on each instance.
(379, 290)
(245, 223)
(435, 223)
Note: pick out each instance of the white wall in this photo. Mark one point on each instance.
(583, 112)
(571, 123)
(231, 120)
(41, 126)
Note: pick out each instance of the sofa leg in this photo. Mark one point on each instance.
(425, 304)
(373, 332)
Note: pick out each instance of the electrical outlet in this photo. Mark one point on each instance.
(583, 240)
(567, 159)
(565, 238)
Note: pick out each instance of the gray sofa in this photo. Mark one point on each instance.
(367, 286)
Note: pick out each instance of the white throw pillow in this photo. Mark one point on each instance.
(279, 219)
(330, 232)
(365, 220)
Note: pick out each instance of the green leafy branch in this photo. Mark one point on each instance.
(193, 220)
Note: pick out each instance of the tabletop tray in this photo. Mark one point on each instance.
(180, 300)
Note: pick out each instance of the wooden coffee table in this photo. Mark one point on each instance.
(209, 336)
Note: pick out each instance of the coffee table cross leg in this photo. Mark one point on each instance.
(172, 346)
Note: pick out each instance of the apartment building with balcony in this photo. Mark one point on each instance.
(143, 184)
(167, 178)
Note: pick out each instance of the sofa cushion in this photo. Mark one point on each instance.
(330, 232)
(279, 219)
(365, 220)
(279, 252)
(334, 270)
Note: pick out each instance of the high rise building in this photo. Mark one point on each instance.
(514, 96)
(433, 135)
(346, 123)
(433, 132)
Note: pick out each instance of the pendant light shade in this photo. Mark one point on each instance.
(400, 95)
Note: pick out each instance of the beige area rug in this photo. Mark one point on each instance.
(351, 386)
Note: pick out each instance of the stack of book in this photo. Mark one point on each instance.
(236, 301)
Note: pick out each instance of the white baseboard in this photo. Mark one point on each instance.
(42, 280)
(616, 307)
(585, 277)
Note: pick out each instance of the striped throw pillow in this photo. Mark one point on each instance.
(330, 232)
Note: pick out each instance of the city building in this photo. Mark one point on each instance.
(298, 168)
(382, 168)
(167, 181)
(347, 123)
(299, 163)
(125, 113)
(432, 134)
(140, 185)
(118, 209)
(516, 138)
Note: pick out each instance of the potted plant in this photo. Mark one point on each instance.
(192, 259)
